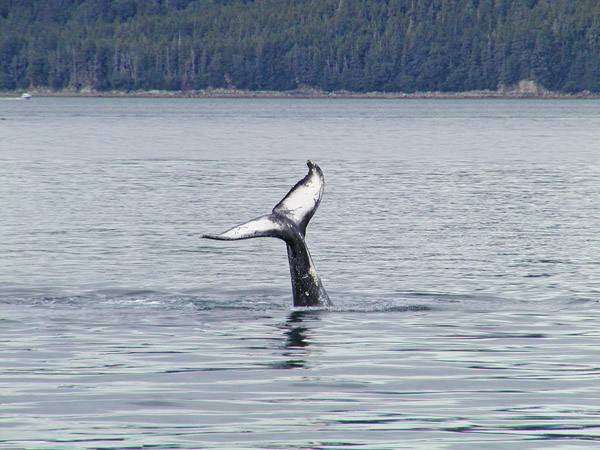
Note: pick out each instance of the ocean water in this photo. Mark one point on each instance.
(458, 240)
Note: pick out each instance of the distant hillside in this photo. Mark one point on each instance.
(356, 45)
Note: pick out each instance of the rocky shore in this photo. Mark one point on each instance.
(523, 89)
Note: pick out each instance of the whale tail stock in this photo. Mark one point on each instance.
(288, 221)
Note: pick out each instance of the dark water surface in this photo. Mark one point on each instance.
(458, 240)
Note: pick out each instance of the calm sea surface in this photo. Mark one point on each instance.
(458, 239)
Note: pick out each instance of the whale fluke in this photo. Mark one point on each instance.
(288, 221)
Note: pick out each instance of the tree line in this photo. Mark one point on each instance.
(356, 45)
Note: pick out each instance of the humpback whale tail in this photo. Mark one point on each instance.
(288, 221)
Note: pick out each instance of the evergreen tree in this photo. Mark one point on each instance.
(359, 45)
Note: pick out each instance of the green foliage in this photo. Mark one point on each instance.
(357, 45)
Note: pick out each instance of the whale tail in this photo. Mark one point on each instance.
(298, 207)
(288, 221)
(263, 226)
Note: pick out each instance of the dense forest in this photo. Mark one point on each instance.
(356, 45)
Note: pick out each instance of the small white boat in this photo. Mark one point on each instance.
(24, 96)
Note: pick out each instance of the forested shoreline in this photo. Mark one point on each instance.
(304, 46)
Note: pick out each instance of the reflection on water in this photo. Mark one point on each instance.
(297, 338)
(296, 334)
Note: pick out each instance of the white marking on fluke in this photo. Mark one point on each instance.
(288, 221)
